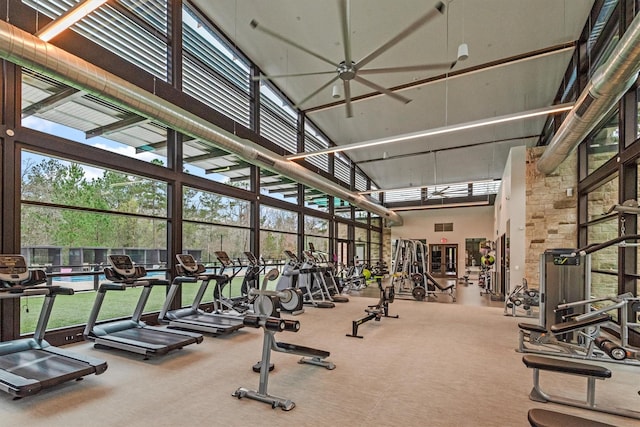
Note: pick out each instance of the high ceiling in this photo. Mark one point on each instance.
(518, 53)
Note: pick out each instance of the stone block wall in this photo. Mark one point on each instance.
(386, 246)
(551, 215)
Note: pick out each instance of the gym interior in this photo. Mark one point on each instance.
(207, 219)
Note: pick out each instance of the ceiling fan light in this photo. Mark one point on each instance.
(335, 92)
(463, 51)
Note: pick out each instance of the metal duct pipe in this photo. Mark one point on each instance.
(609, 82)
(26, 50)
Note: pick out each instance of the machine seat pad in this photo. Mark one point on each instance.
(572, 325)
(565, 366)
(301, 350)
(444, 288)
(532, 328)
(544, 418)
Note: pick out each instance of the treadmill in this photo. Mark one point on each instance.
(29, 365)
(193, 318)
(133, 335)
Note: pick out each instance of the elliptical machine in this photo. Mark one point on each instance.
(299, 275)
(252, 273)
(240, 304)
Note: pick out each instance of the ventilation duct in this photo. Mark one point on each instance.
(609, 82)
(24, 49)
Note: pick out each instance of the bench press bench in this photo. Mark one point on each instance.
(591, 372)
(543, 418)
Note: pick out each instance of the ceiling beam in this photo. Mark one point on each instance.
(211, 154)
(129, 121)
(67, 94)
(534, 54)
(238, 166)
(263, 172)
(437, 150)
(151, 147)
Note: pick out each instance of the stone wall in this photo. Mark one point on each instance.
(386, 246)
(551, 215)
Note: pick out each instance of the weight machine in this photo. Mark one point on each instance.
(410, 275)
(573, 325)
(409, 266)
(521, 301)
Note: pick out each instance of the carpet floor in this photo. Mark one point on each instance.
(438, 364)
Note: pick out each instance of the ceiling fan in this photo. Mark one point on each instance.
(348, 69)
(445, 192)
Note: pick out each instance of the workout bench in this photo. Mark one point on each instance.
(543, 418)
(592, 372)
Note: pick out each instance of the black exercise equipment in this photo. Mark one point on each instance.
(29, 365)
(271, 325)
(193, 318)
(589, 371)
(132, 334)
(252, 273)
(239, 304)
(380, 310)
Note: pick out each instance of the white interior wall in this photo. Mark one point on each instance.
(468, 222)
(510, 213)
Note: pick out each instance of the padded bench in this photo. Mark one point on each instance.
(591, 372)
(543, 418)
(572, 325)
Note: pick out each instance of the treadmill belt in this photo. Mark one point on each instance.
(48, 368)
(155, 337)
(213, 320)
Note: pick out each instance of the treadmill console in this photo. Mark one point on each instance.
(309, 256)
(291, 255)
(13, 268)
(122, 265)
(187, 262)
(223, 258)
(252, 258)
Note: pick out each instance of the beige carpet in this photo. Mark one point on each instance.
(439, 364)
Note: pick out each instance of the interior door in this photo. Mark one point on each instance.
(450, 261)
(435, 260)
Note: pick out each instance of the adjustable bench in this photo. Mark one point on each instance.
(436, 288)
(592, 372)
(543, 418)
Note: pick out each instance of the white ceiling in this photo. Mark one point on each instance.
(495, 30)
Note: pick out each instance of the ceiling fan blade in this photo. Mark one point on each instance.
(381, 89)
(424, 67)
(345, 19)
(317, 91)
(437, 10)
(255, 25)
(347, 98)
(280, 76)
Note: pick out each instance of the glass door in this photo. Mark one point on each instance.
(451, 261)
(435, 260)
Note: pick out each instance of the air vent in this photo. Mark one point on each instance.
(444, 226)
(265, 160)
(582, 108)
